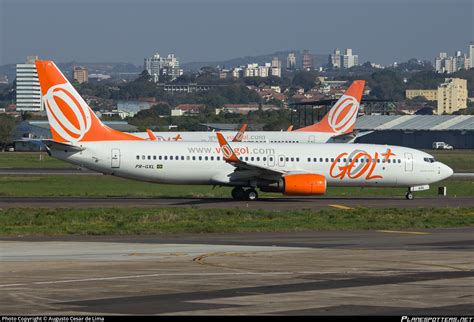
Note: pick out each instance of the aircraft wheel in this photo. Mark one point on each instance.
(409, 196)
(251, 194)
(238, 193)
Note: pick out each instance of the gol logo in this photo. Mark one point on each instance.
(227, 151)
(353, 167)
(344, 114)
(68, 114)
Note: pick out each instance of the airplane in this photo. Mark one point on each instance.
(79, 137)
(336, 126)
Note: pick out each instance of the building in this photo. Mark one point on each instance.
(291, 61)
(451, 64)
(275, 67)
(471, 54)
(337, 60)
(348, 60)
(307, 60)
(451, 95)
(81, 74)
(429, 94)
(28, 92)
(417, 131)
(160, 67)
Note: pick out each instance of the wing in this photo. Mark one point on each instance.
(246, 170)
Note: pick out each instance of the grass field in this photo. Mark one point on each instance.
(459, 160)
(105, 186)
(136, 221)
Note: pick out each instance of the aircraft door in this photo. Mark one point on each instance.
(408, 162)
(115, 158)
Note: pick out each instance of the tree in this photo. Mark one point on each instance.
(7, 124)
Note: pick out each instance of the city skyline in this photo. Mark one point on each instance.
(124, 31)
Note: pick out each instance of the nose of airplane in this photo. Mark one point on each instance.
(446, 171)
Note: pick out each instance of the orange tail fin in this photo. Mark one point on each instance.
(342, 116)
(69, 116)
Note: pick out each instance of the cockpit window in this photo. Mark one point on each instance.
(430, 160)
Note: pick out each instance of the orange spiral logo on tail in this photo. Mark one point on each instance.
(68, 114)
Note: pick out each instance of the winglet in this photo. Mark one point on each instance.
(290, 128)
(229, 155)
(239, 136)
(151, 135)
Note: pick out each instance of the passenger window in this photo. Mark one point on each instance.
(212, 158)
(171, 157)
(218, 158)
(194, 158)
(188, 157)
(159, 157)
(287, 159)
(320, 159)
(327, 160)
(138, 157)
(309, 159)
(165, 157)
(264, 159)
(200, 158)
(182, 158)
(154, 157)
(143, 157)
(292, 159)
(205, 158)
(297, 159)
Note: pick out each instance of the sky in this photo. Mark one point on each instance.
(380, 31)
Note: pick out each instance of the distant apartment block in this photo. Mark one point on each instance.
(28, 92)
(158, 67)
(291, 61)
(451, 64)
(451, 95)
(269, 69)
(471, 54)
(348, 60)
(81, 74)
(307, 60)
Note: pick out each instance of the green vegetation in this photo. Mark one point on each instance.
(134, 221)
(30, 160)
(107, 186)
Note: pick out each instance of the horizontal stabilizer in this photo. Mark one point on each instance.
(55, 145)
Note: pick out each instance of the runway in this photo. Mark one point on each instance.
(423, 272)
(280, 203)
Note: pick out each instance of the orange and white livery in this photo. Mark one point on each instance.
(79, 137)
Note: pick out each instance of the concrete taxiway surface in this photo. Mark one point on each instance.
(280, 203)
(369, 272)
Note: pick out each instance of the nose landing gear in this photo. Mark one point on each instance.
(409, 195)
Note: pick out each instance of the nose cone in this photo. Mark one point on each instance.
(446, 171)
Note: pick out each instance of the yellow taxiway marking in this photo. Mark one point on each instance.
(402, 232)
(341, 207)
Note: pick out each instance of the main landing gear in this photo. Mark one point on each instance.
(238, 193)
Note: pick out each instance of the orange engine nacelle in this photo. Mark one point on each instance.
(304, 185)
(298, 185)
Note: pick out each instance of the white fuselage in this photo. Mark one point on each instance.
(249, 136)
(203, 163)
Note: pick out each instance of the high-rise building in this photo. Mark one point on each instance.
(28, 92)
(348, 60)
(471, 54)
(275, 67)
(307, 60)
(335, 58)
(452, 95)
(158, 66)
(291, 61)
(451, 64)
(81, 74)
